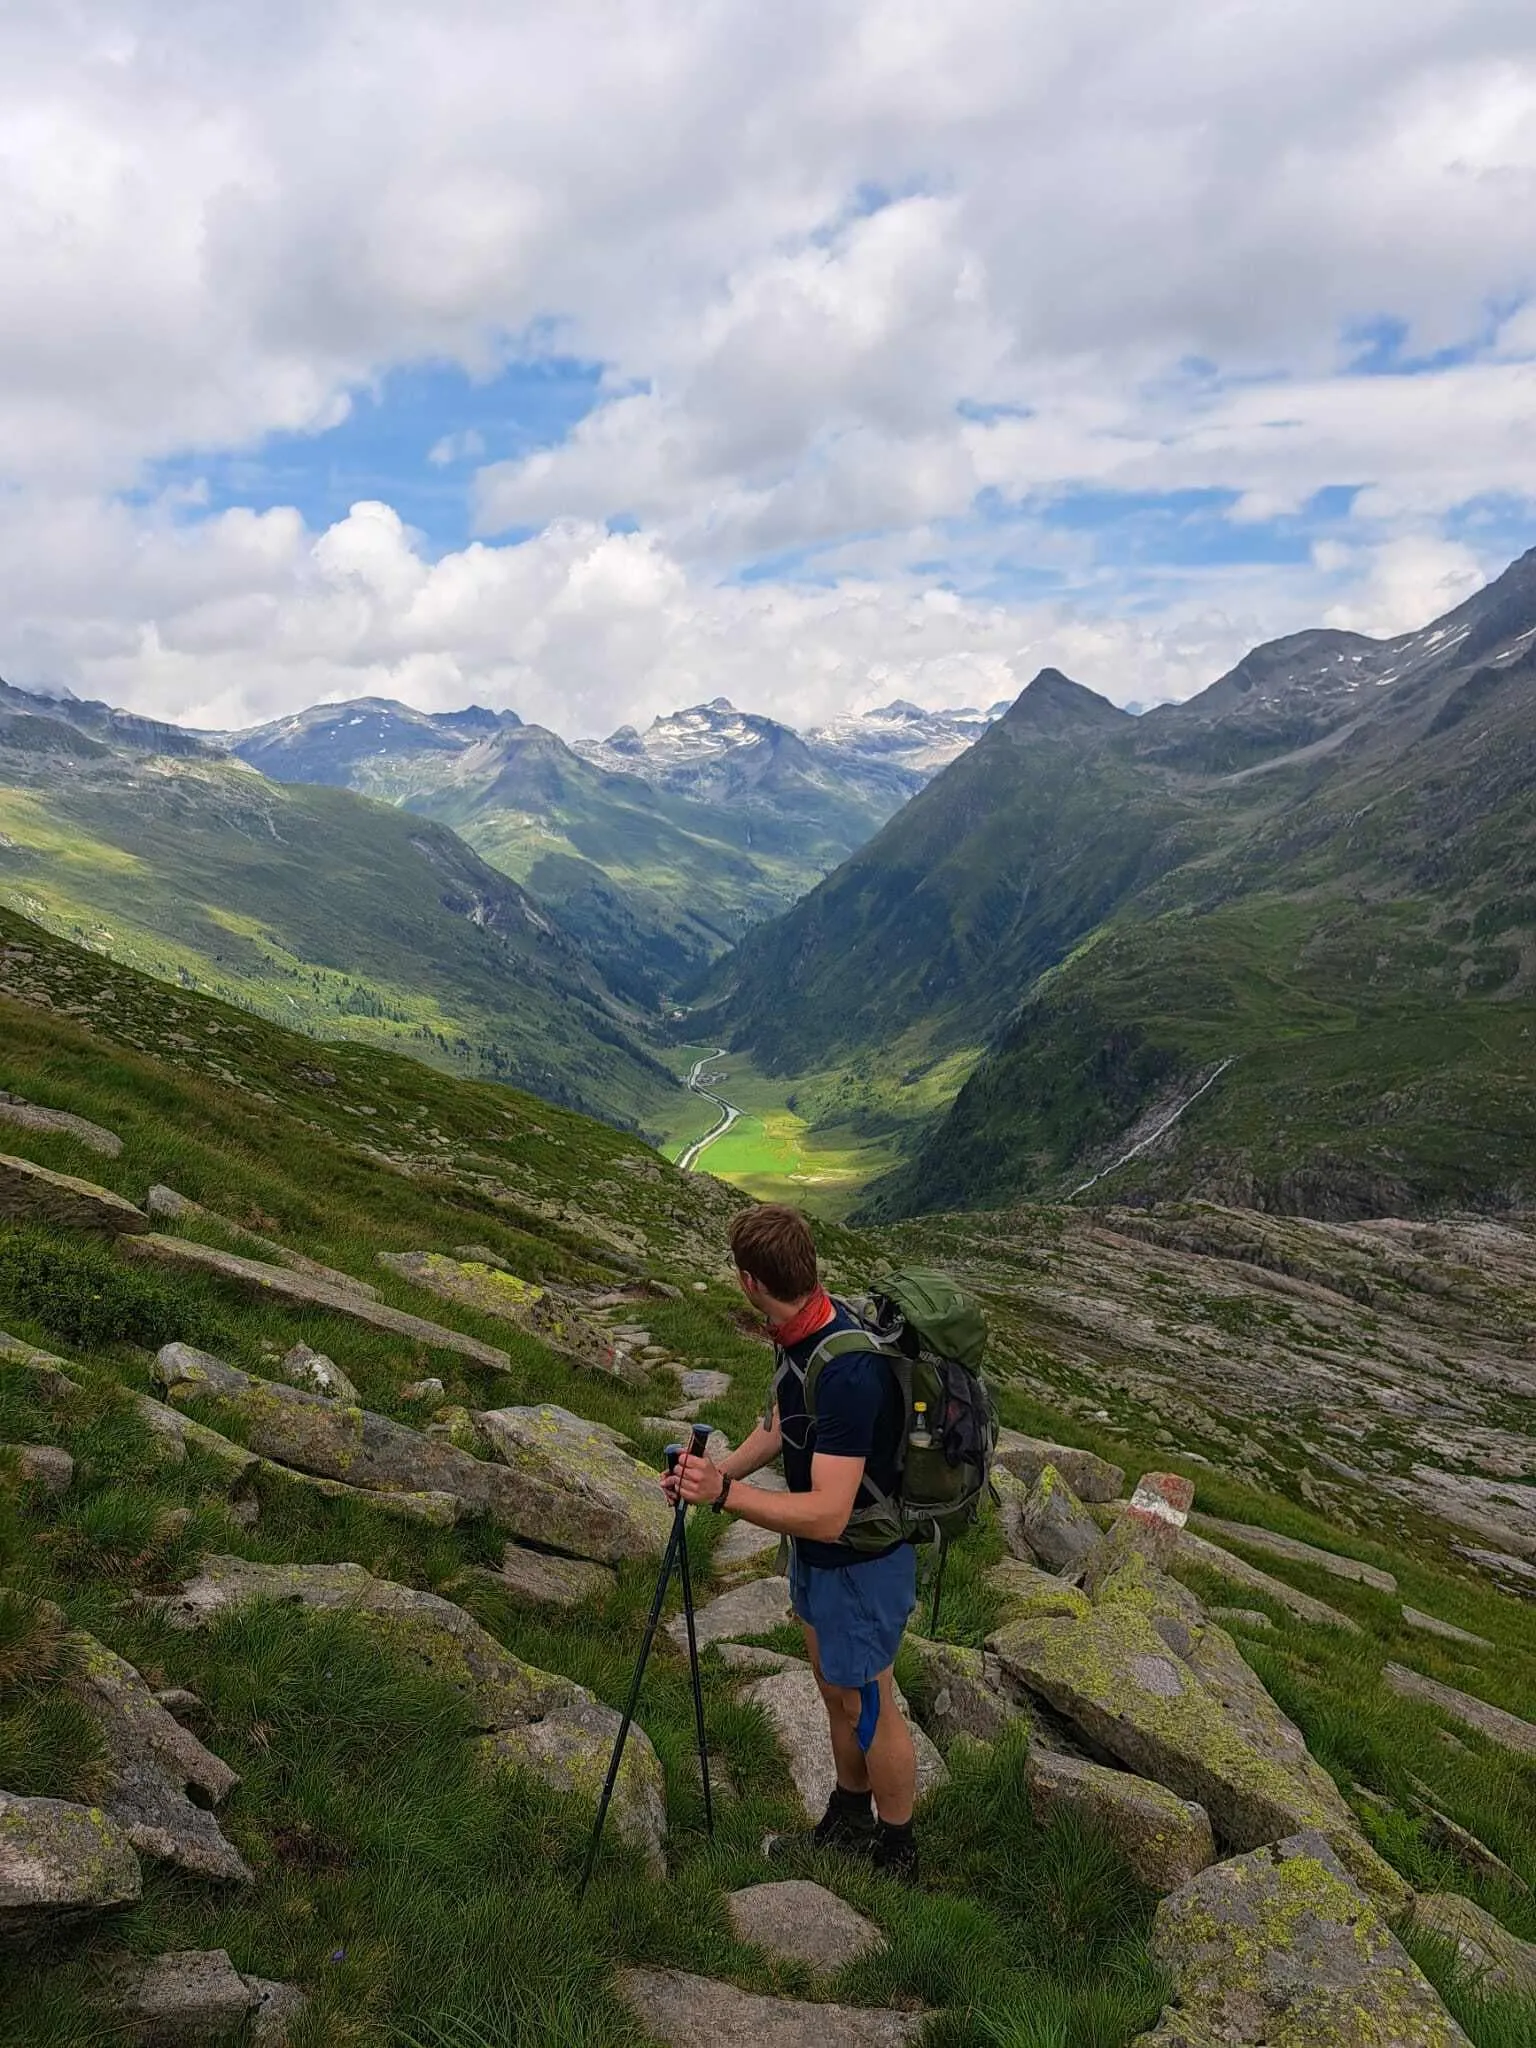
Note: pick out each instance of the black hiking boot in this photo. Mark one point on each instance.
(848, 1825)
(895, 1852)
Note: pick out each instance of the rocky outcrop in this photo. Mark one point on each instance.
(1090, 1477)
(570, 1749)
(1055, 1525)
(755, 1609)
(682, 2010)
(544, 1581)
(277, 1283)
(957, 1693)
(33, 1194)
(31, 1116)
(1281, 1947)
(156, 1766)
(163, 1204)
(1506, 1729)
(1499, 1960)
(493, 1291)
(189, 1997)
(337, 1441)
(1165, 1839)
(792, 1705)
(580, 1465)
(800, 1922)
(59, 1863)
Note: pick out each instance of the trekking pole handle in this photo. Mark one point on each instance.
(698, 1439)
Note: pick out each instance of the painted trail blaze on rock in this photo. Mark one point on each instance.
(1280, 1946)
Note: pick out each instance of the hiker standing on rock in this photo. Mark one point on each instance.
(853, 1603)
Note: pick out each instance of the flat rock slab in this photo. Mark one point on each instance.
(552, 1581)
(1165, 1839)
(1237, 1571)
(1506, 1729)
(1297, 1552)
(166, 1205)
(744, 1548)
(582, 1466)
(429, 1631)
(801, 1922)
(700, 1383)
(1499, 1960)
(31, 1116)
(1090, 1477)
(569, 1749)
(755, 1609)
(277, 1283)
(958, 1693)
(33, 1194)
(189, 1997)
(683, 2011)
(58, 1863)
(1280, 1947)
(494, 1291)
(1431, 1625)
(793, 1706)
(45, 1373)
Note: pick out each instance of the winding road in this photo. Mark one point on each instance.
(729, 1113)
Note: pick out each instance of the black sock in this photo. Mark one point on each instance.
(897, 1832)
(857, 1805)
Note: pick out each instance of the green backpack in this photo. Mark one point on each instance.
(933, 1336)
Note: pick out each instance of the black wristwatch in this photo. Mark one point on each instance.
(717, 1505)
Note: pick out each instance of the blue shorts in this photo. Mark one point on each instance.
(857, 1610)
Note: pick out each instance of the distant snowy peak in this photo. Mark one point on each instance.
(682, 744)
(905, 736)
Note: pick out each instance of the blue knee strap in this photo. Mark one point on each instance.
(869, 1713)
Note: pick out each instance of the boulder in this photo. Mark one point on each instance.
(33, 1194)
(1431, 1625)
(682, 2010)
(1499, 1960)
(570, 1750)
(336, 1440)
(755, 1609)
(277, 2009)
(423, 1390)
(31, 1116)
(701, 1384)
(301, 1367)
(492, 1291)
(437, 1510)
(1295, 1551)
(156, 1766)
(43, 1372)
(800, 1922)
(742, 1550)
(794, 1710)
(1237, 1571)
(1091, 1478)
(278, 1283)
(41, 1465)
(1055, 1525)
(1281, 1947)
(545, 1581)
(1132, 1695)
(1149, 1525)
(1251, 1618)
(177, 1434)
(58, 1863)
(1504, 1728)
(1026, 1589)
(551, 1449)
(189, 1997)
(753, 1659)
(429, 1631)
(1165, 1839)
(957, 1693)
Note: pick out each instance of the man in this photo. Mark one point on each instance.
(852, 1604)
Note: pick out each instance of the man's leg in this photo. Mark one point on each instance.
(891, 1761)
(842, 1719)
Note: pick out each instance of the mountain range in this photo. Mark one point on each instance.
(1307, 895)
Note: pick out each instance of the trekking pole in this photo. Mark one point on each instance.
(699, 1438)
(674, 1544)
(938, 1587)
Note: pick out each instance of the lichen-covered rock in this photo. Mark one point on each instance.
(45, 1373)
(59, 1862)
(569, 1749)
(542, 1580)
(155, 1766)
(1165, 1839)
(1055, 1525)
(1500, 1726)
(543, 1313)
(1149, 1526)
(338, 1441)
(957, 1693)
(1280, 1947)
(682, 2010)
(41, 1465)
(1131, 1695)
(793, 1706)
(301, 1367)
(800, 1922)
(755, 1609)
(189, 1997)
(1027, 1589)
(422, 1627)
(33, 1194)
(278, 1283)
(1090, 1477)
(551, 1448)
(1499, 1960)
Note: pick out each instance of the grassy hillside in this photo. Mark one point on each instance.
(342, 917)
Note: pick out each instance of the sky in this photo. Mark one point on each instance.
(598, 359)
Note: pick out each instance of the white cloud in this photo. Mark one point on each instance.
(799, 238)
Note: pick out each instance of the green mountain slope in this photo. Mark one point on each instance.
(345, 917)
(1322, 871)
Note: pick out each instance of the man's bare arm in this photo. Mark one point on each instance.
(755, 1451)
(820, 1515)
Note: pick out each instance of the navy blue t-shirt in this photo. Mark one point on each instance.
(859, 1414)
